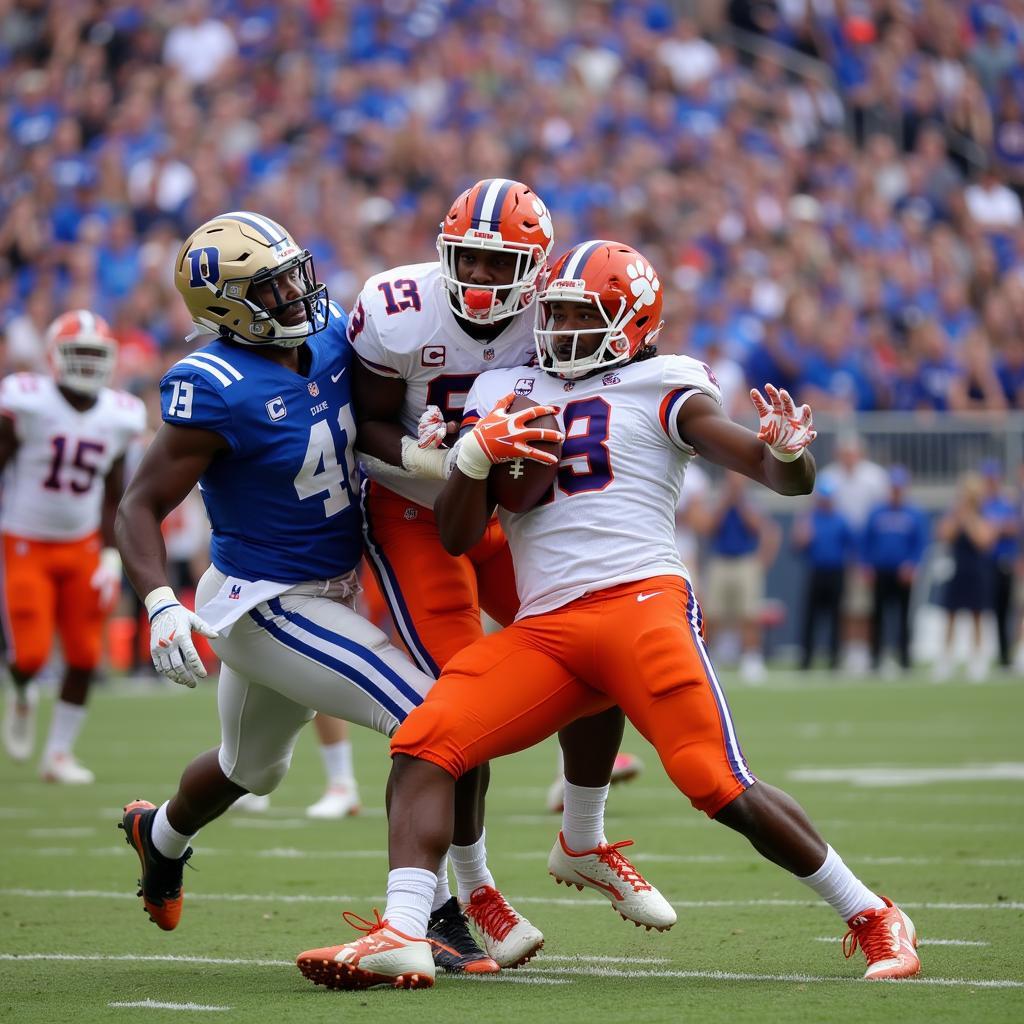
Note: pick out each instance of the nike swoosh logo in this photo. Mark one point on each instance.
(610, 889)
(335, 377)
(640, 598)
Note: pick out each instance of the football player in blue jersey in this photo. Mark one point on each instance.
(261, 418)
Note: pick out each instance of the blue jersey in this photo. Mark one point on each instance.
(282, 500)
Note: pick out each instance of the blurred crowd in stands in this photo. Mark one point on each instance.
(870, 558)
(833, 187)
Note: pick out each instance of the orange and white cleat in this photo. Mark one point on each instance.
(888, 941)
(383, 956)
(612, 874)
(161, 883)
(625, 768)
(509, 939)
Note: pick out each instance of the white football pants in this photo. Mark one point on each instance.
(303, 652)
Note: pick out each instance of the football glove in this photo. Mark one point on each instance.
(106, 579)
(785, 429)
(432, 428)
(502, 436)
(170, 638)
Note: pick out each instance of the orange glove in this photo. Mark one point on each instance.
(502, 436)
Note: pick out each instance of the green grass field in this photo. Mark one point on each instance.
(927, 807)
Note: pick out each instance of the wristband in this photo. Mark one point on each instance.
(471, 459)
(427, 463)
(159, 600)
(786, 456)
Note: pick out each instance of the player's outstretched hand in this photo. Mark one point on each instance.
(170, 643)
(785, 429)
(502, 436)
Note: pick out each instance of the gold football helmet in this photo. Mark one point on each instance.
(243, 277)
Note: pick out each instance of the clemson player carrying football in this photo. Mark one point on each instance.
(423, 333)
(608, 615)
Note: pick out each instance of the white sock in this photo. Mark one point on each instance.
(443, 893)
(840, 888)
(470, 864)
(583, 816)
(64, 728)
(337, 759)
(167, 839)
(410, 892)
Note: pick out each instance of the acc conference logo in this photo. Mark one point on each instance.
(276, 409)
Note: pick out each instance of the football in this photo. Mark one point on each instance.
(518, 485)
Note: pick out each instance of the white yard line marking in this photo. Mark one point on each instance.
(577, 903)
(152, 1004)
(611, 972)
(531, 975)
(835, 940)
(1005, 771)
(62, 833)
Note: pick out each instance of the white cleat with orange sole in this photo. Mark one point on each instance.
(383, 956)
(888, 940)
(505, 934)
(608, 871)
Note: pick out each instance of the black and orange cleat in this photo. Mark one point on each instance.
(454, 949)
(160, 885)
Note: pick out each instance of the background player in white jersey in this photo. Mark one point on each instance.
(608, 614)
(423, 333)
(261, 418)
(62, 444)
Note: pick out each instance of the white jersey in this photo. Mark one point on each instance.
(612, 518)
(403, 328)
(53, 483)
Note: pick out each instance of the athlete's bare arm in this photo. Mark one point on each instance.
(170, 469)
(8, 440)
(113, 489)
(378, 405)
(715, 437)
(462, 512)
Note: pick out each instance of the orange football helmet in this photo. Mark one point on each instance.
(503, 215)
(624, 288)
(82, 351)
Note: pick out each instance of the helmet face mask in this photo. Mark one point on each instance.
(243, 277)
(82, 352)
(617, 284)
(496, 215)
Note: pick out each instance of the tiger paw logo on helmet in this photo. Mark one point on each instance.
(644, 282)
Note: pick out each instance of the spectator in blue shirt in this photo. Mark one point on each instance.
(743, 543)
(828, 543)
(1004, 515)
(893, 544)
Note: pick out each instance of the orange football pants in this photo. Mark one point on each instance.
(638, 645)
(435, 598)
(47, 591)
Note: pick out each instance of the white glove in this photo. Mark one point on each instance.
(170, 638)
(107, 577)
(786, 430)
(432, 429)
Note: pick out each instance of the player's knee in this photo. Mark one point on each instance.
(427, 734)
(699, 778)
(261, 779)
(29, 664)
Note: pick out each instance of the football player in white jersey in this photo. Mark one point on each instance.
(62, 443)
(608, 613)
(423, 332)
